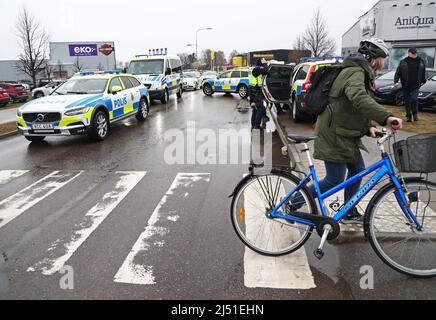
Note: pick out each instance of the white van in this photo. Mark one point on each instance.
(161, 74)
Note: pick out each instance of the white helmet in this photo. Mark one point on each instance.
(374, 48)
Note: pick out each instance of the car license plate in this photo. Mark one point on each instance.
(43, 126)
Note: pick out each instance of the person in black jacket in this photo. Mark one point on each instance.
(411, 73)
(256, 96)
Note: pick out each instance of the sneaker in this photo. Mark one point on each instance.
(409, 120)
(353, 218)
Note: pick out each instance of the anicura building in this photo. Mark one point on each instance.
(402, 24)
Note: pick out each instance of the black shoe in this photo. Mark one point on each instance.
(353, 218)
(415, 118)
(409, 120)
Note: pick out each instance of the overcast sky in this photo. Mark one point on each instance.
(139, 25)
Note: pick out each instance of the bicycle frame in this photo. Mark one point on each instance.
(381, 169)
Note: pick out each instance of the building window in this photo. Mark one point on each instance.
(398, 54)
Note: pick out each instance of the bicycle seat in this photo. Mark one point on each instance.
(302, 139)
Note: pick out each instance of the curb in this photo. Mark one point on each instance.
(8, 134)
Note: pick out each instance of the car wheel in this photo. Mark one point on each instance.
(180, 92)
(207, 89)
(243, 91)
(38, 95)
(35, 139)
(143, 110)
(100, 126)
(296, 113)
(165, 97)
(399, 99)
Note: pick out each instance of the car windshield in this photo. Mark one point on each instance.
(189, 75)
(146, 67)
(82, 86)
(388, 76)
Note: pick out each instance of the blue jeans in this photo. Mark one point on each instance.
(411, 102)
(336, 173)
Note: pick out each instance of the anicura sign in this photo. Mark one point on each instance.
(414, 22)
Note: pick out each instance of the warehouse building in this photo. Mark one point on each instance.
(67, 58)
(288, 56)
(402, 24)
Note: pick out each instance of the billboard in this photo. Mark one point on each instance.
(83, 50)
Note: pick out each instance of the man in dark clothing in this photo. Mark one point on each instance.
(256, 96)
(411, 72)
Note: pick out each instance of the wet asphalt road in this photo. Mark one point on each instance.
(189, 247)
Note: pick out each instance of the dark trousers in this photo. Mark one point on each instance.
(411, 102)
(336, 173)
(259, 112)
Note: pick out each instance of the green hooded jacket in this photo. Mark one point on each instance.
(350, 114)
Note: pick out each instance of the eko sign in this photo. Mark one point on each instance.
(83, 50)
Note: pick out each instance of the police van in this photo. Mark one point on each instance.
(160, 73)
(85, 104)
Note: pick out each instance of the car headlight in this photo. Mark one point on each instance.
(77, 111)
(19, 113)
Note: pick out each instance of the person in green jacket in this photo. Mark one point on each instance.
(350, 117)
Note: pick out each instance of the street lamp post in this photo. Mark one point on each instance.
(196, 40)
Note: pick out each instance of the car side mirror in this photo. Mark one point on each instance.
(116, 89)
(125, 70)
(168, 72)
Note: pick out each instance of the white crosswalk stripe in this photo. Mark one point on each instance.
(20, 202)
(287, 272)
(133, 273)
(8, 175)
(126, 181)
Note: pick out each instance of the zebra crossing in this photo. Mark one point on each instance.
(139, 266)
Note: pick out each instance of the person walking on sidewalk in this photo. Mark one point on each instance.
(349, 118)
(256, 97)
(411, 73)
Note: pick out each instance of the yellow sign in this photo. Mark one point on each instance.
(212, 55)
(266, 55)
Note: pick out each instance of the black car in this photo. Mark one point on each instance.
(386, 92)
(427, 94)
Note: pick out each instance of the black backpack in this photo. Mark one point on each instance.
(317, 97)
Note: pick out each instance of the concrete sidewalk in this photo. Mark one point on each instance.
(7, 115)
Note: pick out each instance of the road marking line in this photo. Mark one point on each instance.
(134, 273)
(18, 203)
(8, 175)
(288, 272)
(93, 218)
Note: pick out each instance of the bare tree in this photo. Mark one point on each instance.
(299, 43)
(33, 41)
(206, 57)
(77, 65)
(316, 37)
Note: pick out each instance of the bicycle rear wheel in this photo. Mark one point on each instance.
(252, 202)
(395, 240)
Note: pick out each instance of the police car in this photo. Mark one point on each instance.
(235, 81)
(85, 104)
(301, 80)
(160, 73)
(190, 81)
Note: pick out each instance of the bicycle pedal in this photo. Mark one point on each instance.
(319, 254)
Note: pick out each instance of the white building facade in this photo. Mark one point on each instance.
(402, 24)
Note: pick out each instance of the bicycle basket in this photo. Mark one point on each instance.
(416, 154)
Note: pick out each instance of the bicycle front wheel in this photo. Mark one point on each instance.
(260, 195)
(398, 242)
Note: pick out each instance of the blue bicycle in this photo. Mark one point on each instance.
(400, 218)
